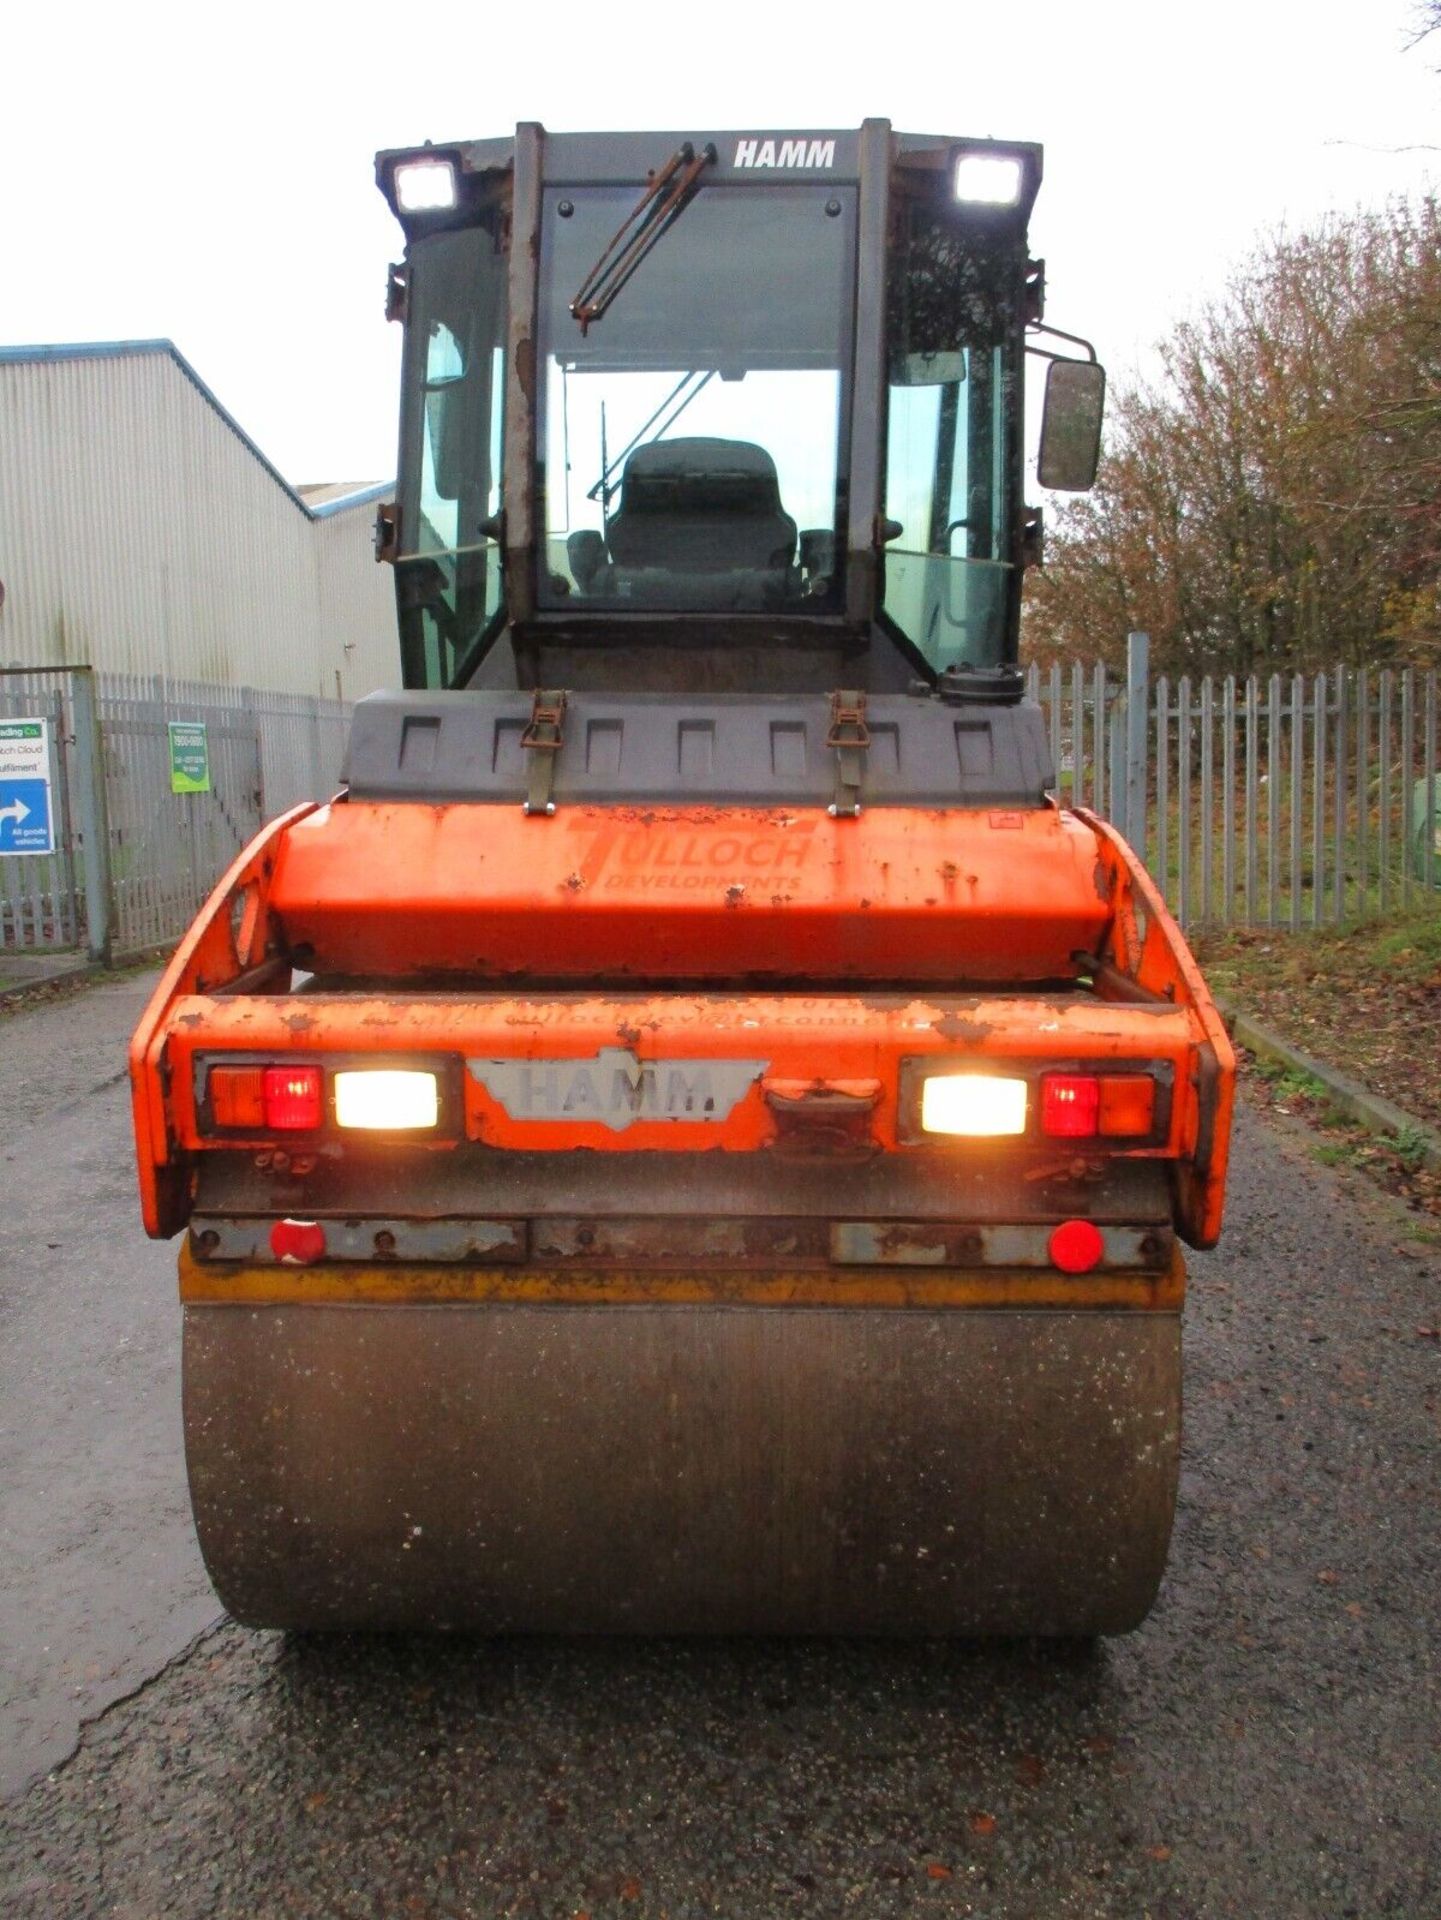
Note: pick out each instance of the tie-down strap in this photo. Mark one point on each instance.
(542, 741)
(850, 736)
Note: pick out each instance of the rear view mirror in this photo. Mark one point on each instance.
(1071, 425)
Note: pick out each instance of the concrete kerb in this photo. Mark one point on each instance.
(27, 973)
(24, 974)
(1369, 1110)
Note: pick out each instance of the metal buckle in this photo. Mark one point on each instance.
(850, 737)
(543, 739)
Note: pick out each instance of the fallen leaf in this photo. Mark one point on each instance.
(1328, 1579)
(1030, 1771)
(630, 1889)
(983, 1823)
(1098, 1743)
(935, 1871)
(1159, 1853)
(1355, 1609)
(313, 1801)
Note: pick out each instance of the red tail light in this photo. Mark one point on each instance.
(294, 1102)
(1070, 1105)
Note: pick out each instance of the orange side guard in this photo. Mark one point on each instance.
(1146, 944)
(232, 936)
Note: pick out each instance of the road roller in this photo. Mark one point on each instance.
(694, 1136)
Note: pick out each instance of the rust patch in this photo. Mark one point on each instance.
(525, 365)
(299, 1023)
(735, 895)
(955, 1026)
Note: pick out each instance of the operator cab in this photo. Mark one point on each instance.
(740, 411)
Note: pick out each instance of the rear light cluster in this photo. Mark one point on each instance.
(1088, 1106)
(1057, 1106)
(258, 1098)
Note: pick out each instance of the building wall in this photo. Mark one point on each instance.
(358, 638)
(140, 532)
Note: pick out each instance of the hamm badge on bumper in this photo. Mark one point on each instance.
(614, 1089)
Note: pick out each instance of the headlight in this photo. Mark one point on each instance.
(425, 186)
(989, 179)
(978, 1104)
(386, 1099)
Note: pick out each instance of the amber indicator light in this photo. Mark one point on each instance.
(237, 1097)
(1127, 1105)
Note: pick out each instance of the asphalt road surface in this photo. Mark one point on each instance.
(1267, 1744)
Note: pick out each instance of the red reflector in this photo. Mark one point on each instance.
(1070, 1105)
(296, 1243)
(292, 1098)
(1076, 1246)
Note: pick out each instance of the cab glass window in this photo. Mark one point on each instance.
(448, 578)
(952, 336)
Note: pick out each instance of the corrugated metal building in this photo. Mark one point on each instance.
(142, 531)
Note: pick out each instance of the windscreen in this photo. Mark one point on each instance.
(692, 441)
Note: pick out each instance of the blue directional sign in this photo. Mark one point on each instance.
(27, 817)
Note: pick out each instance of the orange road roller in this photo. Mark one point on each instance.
(693, 1137)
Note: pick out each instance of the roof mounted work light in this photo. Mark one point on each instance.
(989, 179)
(995, 181)
(425, 186)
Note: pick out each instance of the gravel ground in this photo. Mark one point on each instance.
(1266, 1745)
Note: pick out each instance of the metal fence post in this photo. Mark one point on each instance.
(94, 819)
(1116, 769)
(1138, 659)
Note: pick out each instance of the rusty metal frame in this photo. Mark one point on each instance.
(868, 388)
(521, 479)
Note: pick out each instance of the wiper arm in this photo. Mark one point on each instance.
(602, 489)
(664, 200)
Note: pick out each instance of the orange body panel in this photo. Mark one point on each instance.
(795, 1039)
(691, 893)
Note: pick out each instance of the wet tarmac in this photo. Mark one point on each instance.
(1268, 1744)
(102, 1581)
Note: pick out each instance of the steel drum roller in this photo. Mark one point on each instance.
(683, 1469)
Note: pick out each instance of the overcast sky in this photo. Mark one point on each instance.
(203, 172)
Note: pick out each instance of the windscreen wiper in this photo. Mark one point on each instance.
(664, 200)
(602, 489)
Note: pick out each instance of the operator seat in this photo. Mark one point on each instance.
(702, 506)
